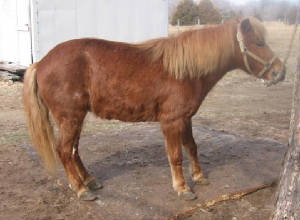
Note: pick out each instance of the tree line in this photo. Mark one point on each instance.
(189, 12)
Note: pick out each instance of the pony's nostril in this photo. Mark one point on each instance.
(274, 74)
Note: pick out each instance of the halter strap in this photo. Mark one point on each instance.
(245, 53)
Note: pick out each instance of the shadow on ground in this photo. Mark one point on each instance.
(133, 167)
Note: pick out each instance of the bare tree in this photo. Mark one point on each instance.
(288, 195)
(208, 13)
(172, 4)
(186, 12)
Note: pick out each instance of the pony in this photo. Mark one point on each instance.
(162, 80)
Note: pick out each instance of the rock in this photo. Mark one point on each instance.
(6, 76)
(13, 68)
(99, 202)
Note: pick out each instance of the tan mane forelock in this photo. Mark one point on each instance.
(195, 53)
(258, 27)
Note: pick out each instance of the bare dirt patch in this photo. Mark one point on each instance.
(241, 131)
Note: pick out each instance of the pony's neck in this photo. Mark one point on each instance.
(218, 52)
(197, 53)
(226, 62)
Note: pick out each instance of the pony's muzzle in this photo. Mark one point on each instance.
(282, 74)
(277, 77)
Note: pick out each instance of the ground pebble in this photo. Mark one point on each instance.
(99, 202)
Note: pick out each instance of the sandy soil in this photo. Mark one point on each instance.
(241, 131)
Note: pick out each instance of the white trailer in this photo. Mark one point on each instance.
(30, 28)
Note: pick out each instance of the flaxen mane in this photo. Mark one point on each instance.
(199, 52)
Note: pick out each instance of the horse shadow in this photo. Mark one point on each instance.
(215, 151)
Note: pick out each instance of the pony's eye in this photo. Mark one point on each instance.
(260, 44)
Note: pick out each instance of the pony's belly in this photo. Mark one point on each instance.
(126, 113)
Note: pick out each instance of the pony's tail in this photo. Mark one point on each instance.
(38, 121)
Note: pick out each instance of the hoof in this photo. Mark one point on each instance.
(187, 196)
(93, 185)
(87, 196)
(202, 181)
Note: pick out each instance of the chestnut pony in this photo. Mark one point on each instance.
(162, 80)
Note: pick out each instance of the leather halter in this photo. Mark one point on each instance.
(245, 52)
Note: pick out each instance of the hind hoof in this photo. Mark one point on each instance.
(187, 196)
(202, 181)
(93, 186)
(87, 196)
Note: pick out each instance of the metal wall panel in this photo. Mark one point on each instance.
(8, 34)
(23, 32)
(15, 41)
(119, 20)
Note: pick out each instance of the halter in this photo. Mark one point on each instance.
(245, 52)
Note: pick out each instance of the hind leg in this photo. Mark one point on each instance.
(191, 149)
(67, 148)
(88, 180)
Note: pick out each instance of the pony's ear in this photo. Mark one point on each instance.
(246, 26)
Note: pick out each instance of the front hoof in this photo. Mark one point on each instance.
(93, 185)
(187, 196)
(202, 181)
(87, 196)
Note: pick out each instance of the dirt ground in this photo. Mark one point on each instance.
(241, 130)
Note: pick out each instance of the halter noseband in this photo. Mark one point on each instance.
(245, 52)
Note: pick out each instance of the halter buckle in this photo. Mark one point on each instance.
(267, 65)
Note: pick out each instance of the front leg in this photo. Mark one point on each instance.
(173, 132)
(191, 149)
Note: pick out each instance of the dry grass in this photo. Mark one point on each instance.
(279, 36)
